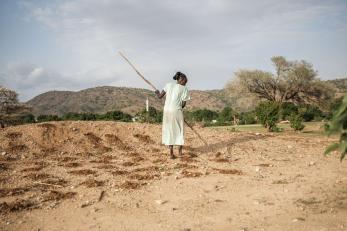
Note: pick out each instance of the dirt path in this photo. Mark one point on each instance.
(116, 176)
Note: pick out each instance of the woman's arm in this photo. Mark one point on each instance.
(160, 95)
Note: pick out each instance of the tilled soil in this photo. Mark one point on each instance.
(117, 176)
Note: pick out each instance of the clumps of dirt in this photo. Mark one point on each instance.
(229, 171)
(137, 159)
(66, 159)
(105, 166)
(33, 169)
(130, 185)
(51, 182)
(145, 176)
(147, 169)
(4, 192)
(91, 183)
(159, 161)
(14, 147)
(119, 172)
(4, 167)
(38, 176)
(186, 173)
(58, 195)
(47, 126)
(129, 164)
(188, 159)
(143, 138)
(219, 158)
(185, 165)
(17, 206)
(114, 140)
(97, 142)
(13, 135)
(71, 165)
(155, 150)
(83, 172)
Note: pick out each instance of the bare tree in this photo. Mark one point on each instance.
(10, 109)
(294, 81)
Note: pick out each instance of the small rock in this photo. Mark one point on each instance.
(3, 153)
(298, 219)
(311, 163)
(257, 169)
(160, 202)
(289, 146)
(7, 223)
(257, 134)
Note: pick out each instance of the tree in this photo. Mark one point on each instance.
(293, 81)
(10, 108)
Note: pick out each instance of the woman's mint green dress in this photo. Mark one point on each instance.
(173, 129)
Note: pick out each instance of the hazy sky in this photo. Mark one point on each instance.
(71, 45)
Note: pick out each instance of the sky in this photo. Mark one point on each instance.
(72, 45)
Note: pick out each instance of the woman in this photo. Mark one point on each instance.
(176, 96)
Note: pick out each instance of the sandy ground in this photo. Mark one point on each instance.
(116, 176)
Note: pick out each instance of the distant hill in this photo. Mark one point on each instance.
(130, 100)
(103, 99)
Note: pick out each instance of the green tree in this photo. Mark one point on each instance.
(293, 81)
(11, 110)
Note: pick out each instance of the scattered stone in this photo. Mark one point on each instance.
(298, 219)
(3, 153)
(312, 163)
(161, 202)
(257, 169)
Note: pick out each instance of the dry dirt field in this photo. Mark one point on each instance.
(116, 176)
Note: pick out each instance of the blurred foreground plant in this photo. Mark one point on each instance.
(338, 125)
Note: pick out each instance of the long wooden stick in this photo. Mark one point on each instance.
(126, 59)
(154, 88)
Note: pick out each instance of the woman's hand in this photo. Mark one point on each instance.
(160, 95)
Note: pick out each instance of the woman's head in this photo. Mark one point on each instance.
(180, 78)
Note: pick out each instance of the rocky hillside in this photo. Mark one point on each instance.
(103, 99)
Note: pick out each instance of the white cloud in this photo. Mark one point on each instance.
(210, 38)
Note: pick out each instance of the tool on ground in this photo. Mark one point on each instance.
(155, 89)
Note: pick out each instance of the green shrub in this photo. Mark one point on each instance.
(267, 114)
(310, 113)
(205, 115)
(248, 117)
(47, 118)
(30, 118)
(296, 122)
(286, 110)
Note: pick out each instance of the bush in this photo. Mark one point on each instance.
(267, 114)
(30, 118)
(248, 117)
(205, 115)
(296, 122)
(310, 113)
(152, 116)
